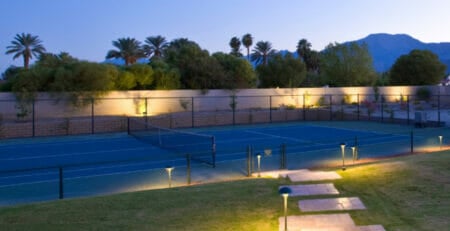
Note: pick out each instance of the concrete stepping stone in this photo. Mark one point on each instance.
(371, 228)
(331, 204)
(322, 222)
(312, 189)
(278, 173)
(313, 176)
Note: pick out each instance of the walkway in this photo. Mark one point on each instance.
(320, 222)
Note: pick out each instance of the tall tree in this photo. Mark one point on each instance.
(303, 49)
(155, 45)
(238, 73)
(262, 51)
(27, 46)
(235, 45)
(282, 71)
(347, 65)
(309, 56)
(247, 41)
(198, 70)
(419, 67)
(128, 49)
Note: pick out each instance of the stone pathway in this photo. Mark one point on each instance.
(312, 189)
(333, 204)
(322, 222)
(328, 222)
(312, 176)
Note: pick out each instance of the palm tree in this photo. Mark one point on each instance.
(129, 49)
(247, 41)
(303, 49)
(27, 46)
(235, 45)
(262, 51)
(155, 45)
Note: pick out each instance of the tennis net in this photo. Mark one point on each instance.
(201, 147)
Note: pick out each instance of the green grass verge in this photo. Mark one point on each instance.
(405, 193)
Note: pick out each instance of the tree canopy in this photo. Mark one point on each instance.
(282, 71)
(419, 67)
(347, 65)
(129, 49)
(27, 46)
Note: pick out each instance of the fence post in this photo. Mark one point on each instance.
(128, 125)
(270, 109)
(188, 164)
(357, 104)
(192, 111)
(382, 108)
(439, 109)
(249, 160)
(33, 118)
(407, 108)
(356, 148)
(304, 108)
(92, 115)
(331, 107)
(412, 142)
(61, 183)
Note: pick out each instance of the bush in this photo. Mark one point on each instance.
(423, 94)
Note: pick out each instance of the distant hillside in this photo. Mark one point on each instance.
(386, 48)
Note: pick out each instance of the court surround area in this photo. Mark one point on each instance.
(50, 168)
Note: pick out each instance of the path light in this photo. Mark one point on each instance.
(343, 156)
(284, 192)
(259, 164)
(354, 154)
(169, 170)
(440, 142)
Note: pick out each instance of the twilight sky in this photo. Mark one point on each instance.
(86, 28)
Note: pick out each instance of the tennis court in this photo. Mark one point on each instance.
(38, 169)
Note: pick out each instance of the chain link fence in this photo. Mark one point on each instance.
(46, 117)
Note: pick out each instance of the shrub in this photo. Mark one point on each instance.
(423, 93)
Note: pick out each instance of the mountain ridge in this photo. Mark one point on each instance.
(387, 48)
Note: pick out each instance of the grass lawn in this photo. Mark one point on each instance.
(404, 193)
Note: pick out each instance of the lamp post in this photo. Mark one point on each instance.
(440, 142)
(259, 164)
(354, 154)
(284, 192)
(343, 156)
(169, 170)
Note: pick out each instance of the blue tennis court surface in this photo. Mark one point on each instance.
(27, 162)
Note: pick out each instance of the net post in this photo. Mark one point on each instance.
(188, 164)
(283, 159)
(356, 148)
(61, 183)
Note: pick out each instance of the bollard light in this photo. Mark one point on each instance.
(354, 154)
(284, 192)
(259, 164)
(169, 170)
(343, 156)
(440, 142)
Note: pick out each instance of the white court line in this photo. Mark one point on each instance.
(276, 136)
(75, 154)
